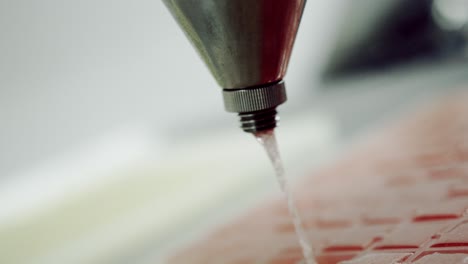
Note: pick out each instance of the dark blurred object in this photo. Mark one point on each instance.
(376, 35)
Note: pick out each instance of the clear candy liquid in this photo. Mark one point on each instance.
(268, 141)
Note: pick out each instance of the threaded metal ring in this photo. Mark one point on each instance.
(254, 99)
(258, 121)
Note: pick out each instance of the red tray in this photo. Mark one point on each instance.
(399, 197)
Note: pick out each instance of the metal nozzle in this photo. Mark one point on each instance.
(256, 105)
(246, 44)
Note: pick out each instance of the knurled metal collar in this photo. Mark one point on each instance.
(254, 99)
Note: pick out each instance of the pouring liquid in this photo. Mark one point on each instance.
(268, 141)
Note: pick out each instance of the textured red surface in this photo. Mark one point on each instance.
(399, 197)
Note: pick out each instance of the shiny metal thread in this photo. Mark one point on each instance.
(254, 99)
(258, 121)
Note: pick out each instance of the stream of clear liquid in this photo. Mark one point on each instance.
(268, 141)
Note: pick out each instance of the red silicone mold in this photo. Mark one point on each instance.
(398, 198)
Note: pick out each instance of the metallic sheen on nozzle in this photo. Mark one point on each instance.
(254, 98)
(246, 44)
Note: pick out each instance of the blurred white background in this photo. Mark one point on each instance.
(72, 70)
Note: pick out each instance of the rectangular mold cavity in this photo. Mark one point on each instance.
(343, 248)
(393, 247)
(325, 224)
(441, 217)
(448, 244)
(381, 221)
(446, 173)
(285, 228)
